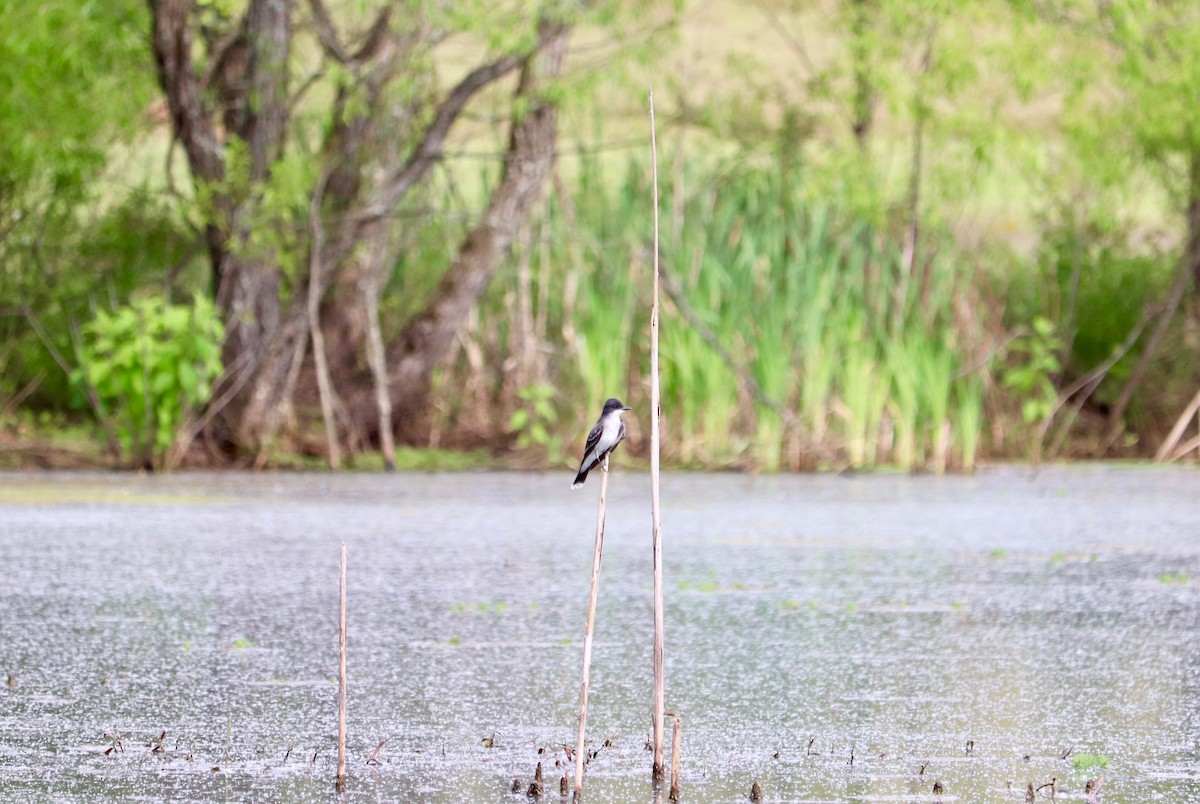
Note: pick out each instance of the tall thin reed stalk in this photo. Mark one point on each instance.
(597, 555)
(655, 413)
(341, 742)
(676, 758)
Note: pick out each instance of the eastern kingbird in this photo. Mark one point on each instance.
(608, 432)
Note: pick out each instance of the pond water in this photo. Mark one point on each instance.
(840, 639)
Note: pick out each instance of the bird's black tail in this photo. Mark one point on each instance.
(579, 478)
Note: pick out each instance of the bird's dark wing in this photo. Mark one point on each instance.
(592, 440)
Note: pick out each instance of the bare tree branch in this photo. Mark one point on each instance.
(376, 35)
(531, 159)
(429, 150)
(327, 34)
(220, 54)
(331, 42)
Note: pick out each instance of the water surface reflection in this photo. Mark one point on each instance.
(829, 636)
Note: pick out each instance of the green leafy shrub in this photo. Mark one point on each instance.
(534, 423)
(1032, 378)
(151, 365)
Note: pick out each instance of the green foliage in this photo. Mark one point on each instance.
(72, 76)
(1102, 285)
(1150, 55)
(534, 423)
(1066, 127)
(1032, 378)
(151, 364)
(138, 241)
(1086, 762)
(812, 303)
(75, 81)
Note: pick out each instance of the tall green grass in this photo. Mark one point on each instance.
(815, 305)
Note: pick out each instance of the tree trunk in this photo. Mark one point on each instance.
(371, 158)
(250, 70)
(191, 119)
(529, 162)
(249, 283)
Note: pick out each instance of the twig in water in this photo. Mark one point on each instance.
(115, 739)
(372, 760)
(535, 787)
(1052, 784)
(156, 745)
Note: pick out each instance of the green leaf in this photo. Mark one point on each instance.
(189, 382)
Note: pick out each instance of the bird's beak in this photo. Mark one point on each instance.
(626, 407)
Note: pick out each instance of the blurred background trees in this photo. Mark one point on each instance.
(895, 232)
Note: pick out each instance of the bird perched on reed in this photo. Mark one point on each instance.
(608, 431)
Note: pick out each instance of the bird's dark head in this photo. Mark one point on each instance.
(615, 404)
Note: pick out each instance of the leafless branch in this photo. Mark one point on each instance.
(220, 52)
(429, 150)
(327, 34)
(375, 35)
(330, 39)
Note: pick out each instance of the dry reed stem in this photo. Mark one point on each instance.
(676, 757)
(341, 747)
(655, 413)
(1172, 439)
(597, 555)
